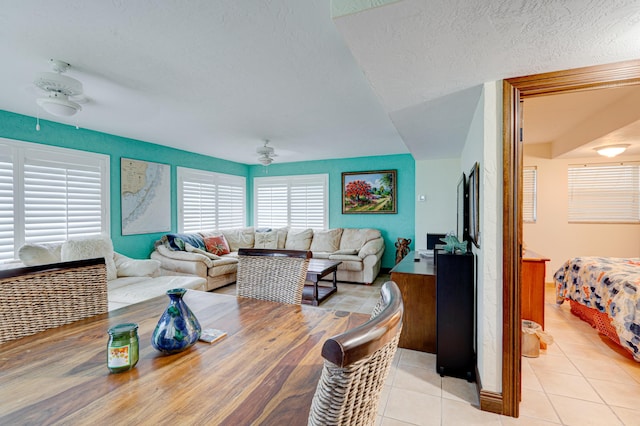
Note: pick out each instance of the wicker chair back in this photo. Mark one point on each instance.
(357, 364)
(270, 274)
(36, 298)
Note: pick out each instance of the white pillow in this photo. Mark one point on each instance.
(266, 240)
(299, 239)
(326, 241)
(40, 254)
(89, 249)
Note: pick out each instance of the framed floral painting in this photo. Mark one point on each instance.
(369, 192)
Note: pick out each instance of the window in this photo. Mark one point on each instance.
(210, 200)
(607, 193)
(529, 193)
(294, 201)
(49, 195)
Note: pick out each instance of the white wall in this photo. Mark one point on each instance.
(484, 145)
(437, 181)
(552, 236)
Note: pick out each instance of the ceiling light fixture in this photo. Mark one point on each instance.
(58, 88)
(265, 154)
(611, 150)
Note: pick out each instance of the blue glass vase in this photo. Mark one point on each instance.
(177, 329)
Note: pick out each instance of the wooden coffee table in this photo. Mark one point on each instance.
(319, 268)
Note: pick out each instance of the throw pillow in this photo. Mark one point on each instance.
(239, 238)
(299, 239)
(177, 241)
(217, 245)
(326, 241)
(40, 254)
(89, 249)
(266, 240)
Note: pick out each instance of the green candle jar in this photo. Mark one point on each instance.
(122, 349)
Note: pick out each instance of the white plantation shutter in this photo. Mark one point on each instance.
(604, 193)
(294, 201)
(271, 203)
(529, 193)
(210, 200)
(53, 194)
(7, 224)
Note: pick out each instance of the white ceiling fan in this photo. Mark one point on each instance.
(266, 154)
(62, 92)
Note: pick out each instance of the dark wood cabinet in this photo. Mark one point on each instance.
(417, 283)
(455, 315)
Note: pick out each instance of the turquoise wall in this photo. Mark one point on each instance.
(392, 226)
(22, 128)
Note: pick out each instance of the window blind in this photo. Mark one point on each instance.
(295, 201)
(7, 225)
(529, 194)
(607, 193)
(53, 194)
(210, 200)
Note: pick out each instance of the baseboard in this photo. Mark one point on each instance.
(489, 401)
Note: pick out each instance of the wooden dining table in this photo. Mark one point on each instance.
(265, 370)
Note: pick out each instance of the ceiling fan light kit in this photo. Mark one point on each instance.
(611, 150)
(58, 88)
(265, 154)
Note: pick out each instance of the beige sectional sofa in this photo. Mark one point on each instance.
(359, 250)
(128, 280)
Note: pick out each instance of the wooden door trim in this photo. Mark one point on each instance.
(514, 90)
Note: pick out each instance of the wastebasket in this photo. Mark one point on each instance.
(530, 340)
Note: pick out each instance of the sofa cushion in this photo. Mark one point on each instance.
(321, 254)
(355, 238)
(282, 237)
(239, 238)
(217, 245)
(88, 249)
(40, 254)
(299, 239)
(177, 241)
(327, 241)
(266, 239)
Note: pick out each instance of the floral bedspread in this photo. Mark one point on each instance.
(610, 285)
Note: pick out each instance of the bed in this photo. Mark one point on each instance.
(604, 291)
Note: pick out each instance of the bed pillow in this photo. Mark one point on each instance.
(216, 245)
(89, 249)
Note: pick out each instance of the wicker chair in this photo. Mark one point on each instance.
(36, 298)
(274, 275)
(356, 366)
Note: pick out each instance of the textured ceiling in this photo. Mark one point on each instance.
(218, 77)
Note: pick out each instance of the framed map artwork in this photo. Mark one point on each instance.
(145, 197)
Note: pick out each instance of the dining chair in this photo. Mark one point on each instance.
(356, 365)
(36, 298)
(272, 274)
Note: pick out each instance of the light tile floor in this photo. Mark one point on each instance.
(581, 379)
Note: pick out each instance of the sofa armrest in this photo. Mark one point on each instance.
(372, 247)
